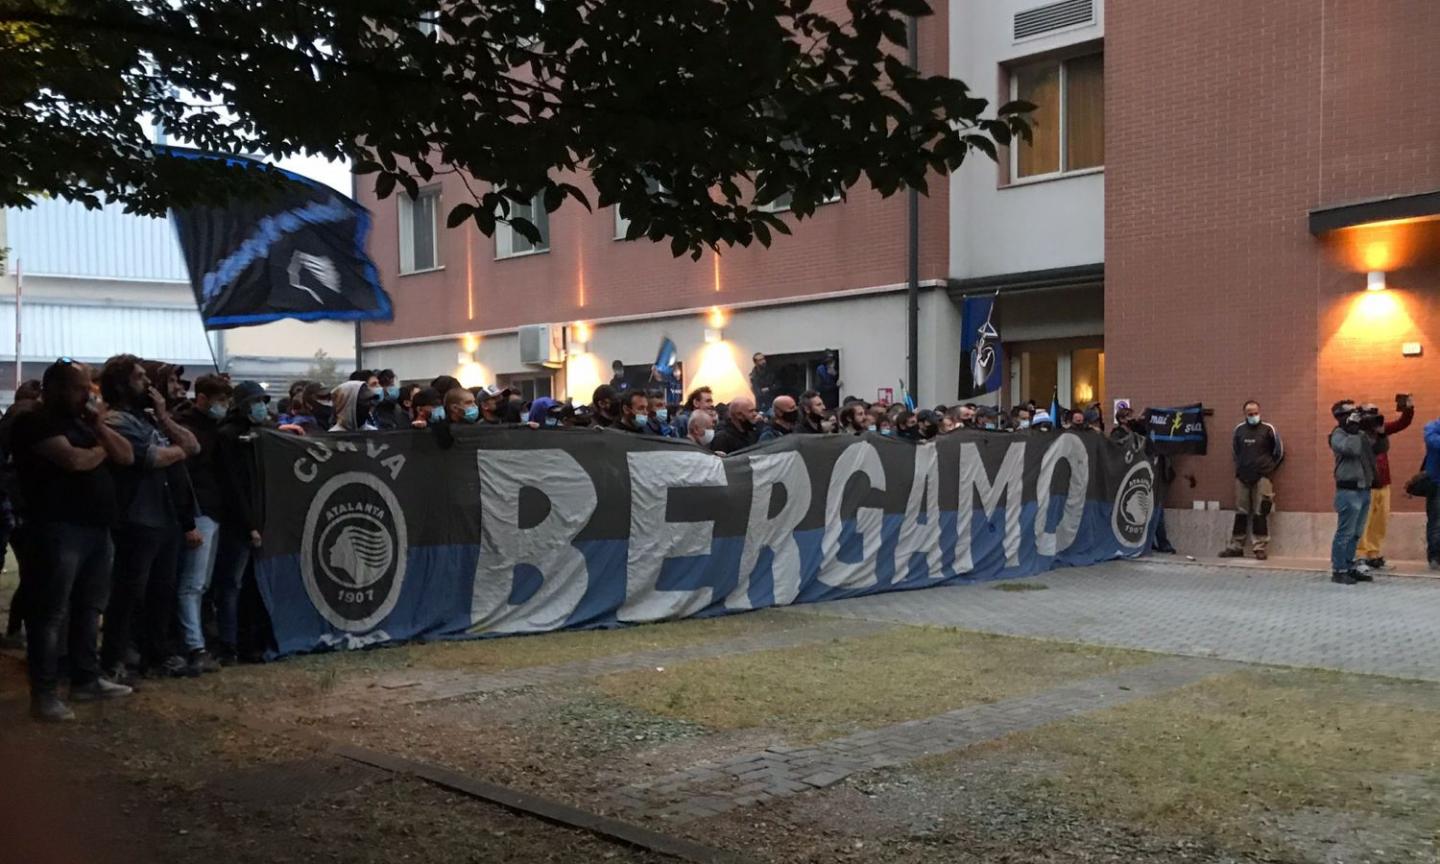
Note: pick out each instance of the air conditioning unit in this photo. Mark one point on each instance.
(542, 345)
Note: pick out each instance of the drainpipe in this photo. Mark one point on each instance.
(912, 229)
(355, 196)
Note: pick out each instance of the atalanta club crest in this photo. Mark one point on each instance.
(352, 557)
(1134, 505)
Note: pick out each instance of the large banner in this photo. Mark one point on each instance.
(392, 536)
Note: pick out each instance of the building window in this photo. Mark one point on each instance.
(530, 387)
(1068, 125)
(418, 234)
(510, 243)
(622, 225)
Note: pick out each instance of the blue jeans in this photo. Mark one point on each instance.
(72, 584)
(1351, 508)
(1432, 525)
(195, 568)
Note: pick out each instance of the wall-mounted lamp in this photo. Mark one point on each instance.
(713, 335)
(716, 318)
(579, 339)
(1375, 280)
(464, 357)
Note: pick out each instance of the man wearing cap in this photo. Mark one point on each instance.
(239, 518)
(492, 401)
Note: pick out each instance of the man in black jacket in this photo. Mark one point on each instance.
(1258, 453)
(236, 472)
(202, 417)
(739, 429)
(762, 382)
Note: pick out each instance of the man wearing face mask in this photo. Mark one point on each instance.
(907, 426)
(202, 418)
(634, 413)
(739, 429)
(389, 413)
(784, 420)
(429, 408)
(460, 407)
(701, 428)
(1258, 453)
(659, 415)
(1354, 476)
(605, 407)
(240, 525)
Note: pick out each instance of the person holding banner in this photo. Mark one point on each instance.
(1258, 453)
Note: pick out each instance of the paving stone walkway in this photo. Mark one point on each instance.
(779, 772)
(416, 686)
(1389, 627)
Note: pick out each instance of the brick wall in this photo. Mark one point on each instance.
(1226, 123)
(587, 274)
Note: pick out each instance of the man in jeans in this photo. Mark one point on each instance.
(202, 418)
(64, 451)
(1354, 475)
(147, 540)
(1432, 501)
(1258, 454)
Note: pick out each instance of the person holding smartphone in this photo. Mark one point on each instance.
(1380, 430)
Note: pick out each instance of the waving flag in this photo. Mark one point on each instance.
(980, 348)
(665, 359)
(299, 253)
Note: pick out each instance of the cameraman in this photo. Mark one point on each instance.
(1354, 477)
(1380, 431)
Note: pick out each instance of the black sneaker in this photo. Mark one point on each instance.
(49, 709)
(200, 663)
(173, 666)
(1346, 577)
(1232, 553)
(1362, 574)
(97, 690)
(1376, 563)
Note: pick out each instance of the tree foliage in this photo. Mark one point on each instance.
(687, 113)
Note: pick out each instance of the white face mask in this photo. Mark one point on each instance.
(707, 436)
(642, 419)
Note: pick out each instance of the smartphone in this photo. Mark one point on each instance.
(1403, 401)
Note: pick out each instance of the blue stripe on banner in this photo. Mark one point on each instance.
(435, 599)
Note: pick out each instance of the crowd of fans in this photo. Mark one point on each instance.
(129, 492)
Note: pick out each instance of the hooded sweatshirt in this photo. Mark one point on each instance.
(347, 399)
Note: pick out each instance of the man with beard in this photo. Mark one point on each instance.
(738, 431)
(64, 452)
(784, 420)
(147, 541)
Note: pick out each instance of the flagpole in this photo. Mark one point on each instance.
(19, 292)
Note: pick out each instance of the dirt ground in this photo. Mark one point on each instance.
(1256, 765)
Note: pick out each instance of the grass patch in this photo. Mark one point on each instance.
(1228, 756)
(312, 675)
(822, 691)
(1019, 586)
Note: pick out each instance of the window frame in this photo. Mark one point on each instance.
(1062, 89)
(507, 250)
(405, 218)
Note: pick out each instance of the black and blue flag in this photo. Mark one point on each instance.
(298, 252)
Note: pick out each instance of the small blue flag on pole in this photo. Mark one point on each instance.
(1055, 406)
(665, 359)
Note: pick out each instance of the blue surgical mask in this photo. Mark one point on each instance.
(870, 428)
(392, 393)
(642, 419)
(377, 392)
(990, 426)
(889, 431)
(217, 410)
(258, 412)
(1253, 419)
(472, 414)
(662, 415)
(551, 422)
(437, 413)
(1024, 424)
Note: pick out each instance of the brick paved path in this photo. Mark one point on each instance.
(413, 687)
(779, 772)
(1390, 627)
